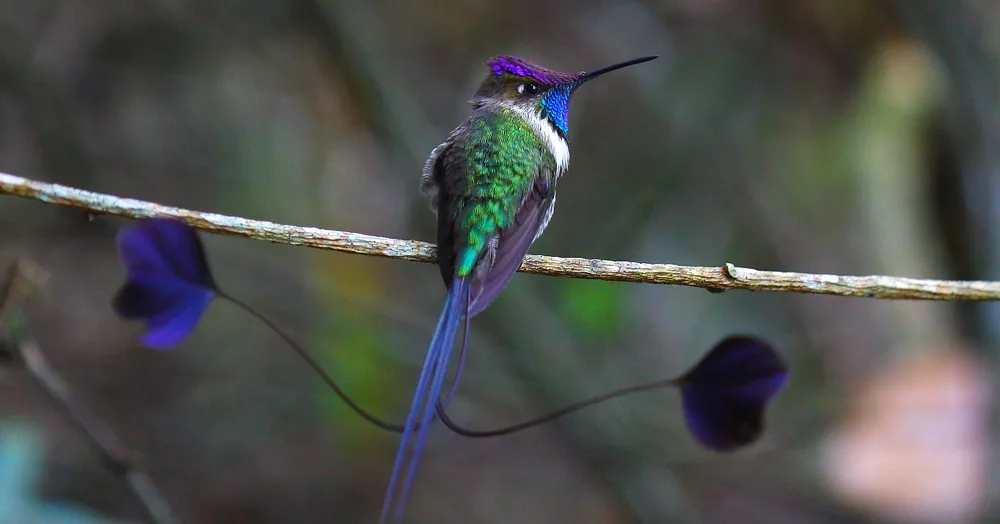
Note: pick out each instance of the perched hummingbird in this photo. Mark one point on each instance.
(492, 184)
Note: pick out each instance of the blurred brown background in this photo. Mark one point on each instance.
(818, 136)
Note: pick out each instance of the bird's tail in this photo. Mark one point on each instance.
(425, 398)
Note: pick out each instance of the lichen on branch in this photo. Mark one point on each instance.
(715, 278)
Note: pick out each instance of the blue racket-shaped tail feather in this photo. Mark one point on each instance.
(726, 394)
(169, 284)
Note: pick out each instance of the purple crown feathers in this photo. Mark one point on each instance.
(513, 65)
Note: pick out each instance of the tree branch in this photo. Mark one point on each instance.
(721, 278)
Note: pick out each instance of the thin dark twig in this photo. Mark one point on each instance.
(114, 454)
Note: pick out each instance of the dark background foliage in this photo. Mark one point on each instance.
(817, 136)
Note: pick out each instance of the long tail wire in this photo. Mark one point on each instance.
(442, 404)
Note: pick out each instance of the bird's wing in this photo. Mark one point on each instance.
(512, 244)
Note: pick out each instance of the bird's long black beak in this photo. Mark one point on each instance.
(590, 75)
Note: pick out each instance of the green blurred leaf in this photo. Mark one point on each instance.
(592, 307)
(352, 354)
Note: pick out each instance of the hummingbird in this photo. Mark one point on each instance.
(492, 184)
(170, 285)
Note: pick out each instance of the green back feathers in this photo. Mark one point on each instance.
(503, 156)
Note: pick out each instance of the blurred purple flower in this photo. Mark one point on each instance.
(725, 394)
(169, 284)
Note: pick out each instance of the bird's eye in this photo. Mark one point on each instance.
(530, 88)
